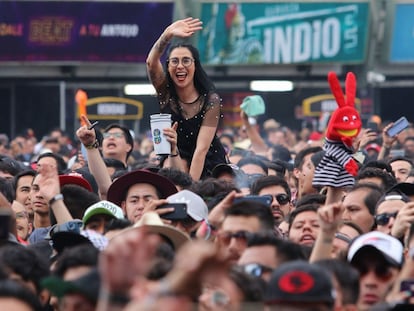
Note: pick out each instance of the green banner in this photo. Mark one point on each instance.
(283, 33)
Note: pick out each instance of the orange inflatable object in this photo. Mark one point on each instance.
(81, 98)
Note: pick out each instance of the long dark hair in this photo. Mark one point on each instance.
(202, 82)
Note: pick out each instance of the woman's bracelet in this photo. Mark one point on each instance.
(173, 155)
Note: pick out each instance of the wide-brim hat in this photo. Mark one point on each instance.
(118, 189)
(153, 224)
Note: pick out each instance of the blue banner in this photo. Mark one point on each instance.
(80, 31)
(284, 33)
(402, 42)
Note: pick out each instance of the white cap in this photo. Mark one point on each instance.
(196, 207)
(103, 208)
(388, 246)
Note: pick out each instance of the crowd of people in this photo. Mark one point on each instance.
(229, 220)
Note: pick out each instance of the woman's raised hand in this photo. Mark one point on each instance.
(185, 28)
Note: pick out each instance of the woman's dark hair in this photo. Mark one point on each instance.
(202, 82)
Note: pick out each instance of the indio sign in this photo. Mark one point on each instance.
(285, 33)
(114, 108)
(316, 105)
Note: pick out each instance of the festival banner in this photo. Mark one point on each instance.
(284, 33)
(80, 31)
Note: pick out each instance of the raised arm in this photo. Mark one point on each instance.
(96, 163)
(258, 145)
(329, 217)
(182, 28)
(387, 142)
(49, 186)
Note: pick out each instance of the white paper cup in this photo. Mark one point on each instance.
(159, 122)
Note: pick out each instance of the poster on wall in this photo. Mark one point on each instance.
(80, 31)
(284, 33)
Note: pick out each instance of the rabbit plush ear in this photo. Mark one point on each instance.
(350, 89)
(336, 89)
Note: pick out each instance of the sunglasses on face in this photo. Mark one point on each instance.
(256, 269)
(384, 218)
(281, 198)
(240, 236)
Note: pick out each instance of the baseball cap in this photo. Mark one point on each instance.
(74, 179)
(66, 235)
(232, 169)
(87, 285)
(299, 281)
(315, 136)
(153, 223)
(403, 187)
(196, 207)
(103, 208)
(70, 234)
(119, 188)
(388, 246)
(373, 146)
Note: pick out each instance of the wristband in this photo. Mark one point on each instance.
(94, 145)
(173, 155)
(57, 197)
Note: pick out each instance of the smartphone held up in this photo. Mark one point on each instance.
(398, 126)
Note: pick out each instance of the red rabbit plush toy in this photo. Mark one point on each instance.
(337, 167)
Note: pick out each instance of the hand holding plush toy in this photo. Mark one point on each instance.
(337, 167)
